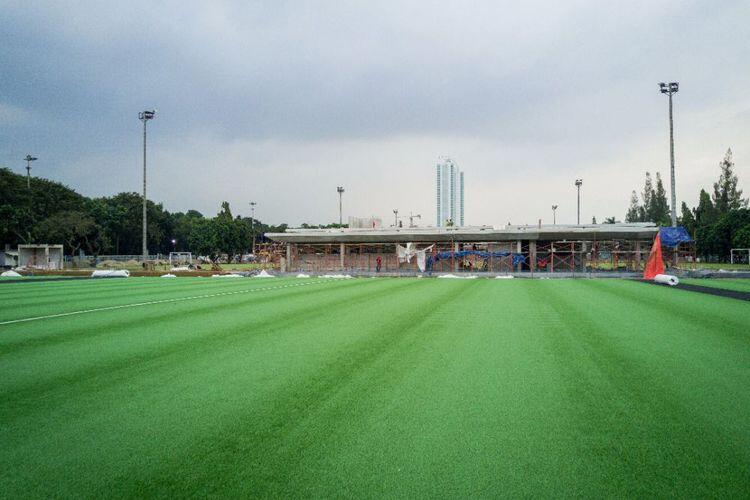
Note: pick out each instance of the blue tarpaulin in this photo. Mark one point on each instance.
(464, 253)
(518, 258)
(673, 236)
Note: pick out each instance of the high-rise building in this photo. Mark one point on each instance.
(449, 193)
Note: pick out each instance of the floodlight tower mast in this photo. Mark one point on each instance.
(395, 215)
(554, 215)
(578, 186)
(669, 89)
(252, 223)
(29, 159)
(145, 116)
(340, 191)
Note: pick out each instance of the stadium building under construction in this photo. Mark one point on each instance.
(480, 249)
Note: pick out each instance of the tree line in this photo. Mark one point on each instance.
(720, 222)
(49, 212)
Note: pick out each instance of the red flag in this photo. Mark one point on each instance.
(655, 264)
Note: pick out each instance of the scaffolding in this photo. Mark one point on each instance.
(572, 250)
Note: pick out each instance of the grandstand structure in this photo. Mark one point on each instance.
(477, 249)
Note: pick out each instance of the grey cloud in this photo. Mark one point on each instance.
(508, 88)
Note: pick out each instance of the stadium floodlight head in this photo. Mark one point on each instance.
(28, 160)
(339, 189)
(147, 115)
(579, 182)
(669, 88)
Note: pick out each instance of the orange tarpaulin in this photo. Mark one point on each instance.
(655, 264)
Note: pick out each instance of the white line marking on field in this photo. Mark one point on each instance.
(162, 301)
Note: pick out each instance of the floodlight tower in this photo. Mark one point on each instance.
(554, 215)
(340, 191)
(395, 215)
(29, 159)
(669, 89)
(145, 116)
(578, 186)
(252, 223)
(412, 217)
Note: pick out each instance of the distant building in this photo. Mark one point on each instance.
(449, 194)
(365, 223)
(40, 256)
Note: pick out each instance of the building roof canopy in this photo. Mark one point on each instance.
(557, 232)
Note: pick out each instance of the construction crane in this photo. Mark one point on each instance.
(412, 217)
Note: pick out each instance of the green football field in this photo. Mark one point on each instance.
(372, 388)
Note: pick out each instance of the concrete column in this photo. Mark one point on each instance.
(638, 254)
(455, 259)
(519, 246)
(532, 255)
(341, 256)
(288, 264)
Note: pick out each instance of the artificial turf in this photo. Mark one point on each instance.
(738, 285)
(372, 388)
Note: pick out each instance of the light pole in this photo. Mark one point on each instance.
(29, 159)
(340, 191)
(669, 89)
(395, 215)
(554, 215)
(578, 186)
(252, 223)
(145, 116)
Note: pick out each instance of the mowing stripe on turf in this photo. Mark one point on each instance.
(162, 301)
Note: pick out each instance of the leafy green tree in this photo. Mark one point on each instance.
(634, 211)
(659, 210)
(202, 239)
(687, 219)
(75, 230)
(21, 207)
(705, 212)
(232, 234)
(26, 215)
(182, 224)
(741, 238)
(221, 235)
(726, 196)
(647, 195)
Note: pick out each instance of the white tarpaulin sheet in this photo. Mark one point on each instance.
(666, 279)
(405, 254)
(103, 273)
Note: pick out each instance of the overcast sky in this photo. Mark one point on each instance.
(280, 102)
